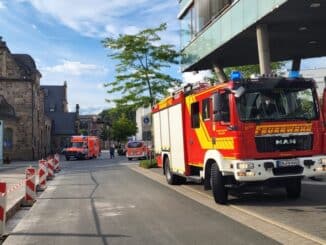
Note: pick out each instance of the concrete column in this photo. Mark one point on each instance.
(263, 49)
(296, 63)
(221, 77)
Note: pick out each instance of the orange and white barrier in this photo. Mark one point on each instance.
(50, 163)
(3, 203)
(42, 174)
(56, 163)
(30, 195)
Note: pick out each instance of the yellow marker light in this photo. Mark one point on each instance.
(250, 174)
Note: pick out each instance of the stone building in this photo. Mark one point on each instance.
(26, 128)
(91, 125)
(64, 123)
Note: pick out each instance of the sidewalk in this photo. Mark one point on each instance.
(14, 175)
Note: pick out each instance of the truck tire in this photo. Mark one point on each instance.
(293, 189)
(220, 192)
(67, 158)
(171, 178)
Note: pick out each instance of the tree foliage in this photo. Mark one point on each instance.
(126, 115)
(123, 128)
(141, 61)
(248, 70)
(111, 115)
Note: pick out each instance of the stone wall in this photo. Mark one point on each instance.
(29, 129)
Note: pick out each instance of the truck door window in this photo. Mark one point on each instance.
(225, 107)
(195, 115)
(206, 112)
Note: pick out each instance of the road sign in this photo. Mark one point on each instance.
(1, 141)
(146, 120)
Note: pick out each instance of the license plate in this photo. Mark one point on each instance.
(287, 163)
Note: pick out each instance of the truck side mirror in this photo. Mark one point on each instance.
(217, 107)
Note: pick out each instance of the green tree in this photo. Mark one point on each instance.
(111, 115)
(248, 70)
(105, 133)
(141, 61)
(83, 132)
(122, 128)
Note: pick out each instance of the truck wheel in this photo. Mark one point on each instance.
(293, 189)
(67, 158)
(129, 158)
(219, 190)
(171, 178)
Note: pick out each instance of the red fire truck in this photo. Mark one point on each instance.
(265, 131)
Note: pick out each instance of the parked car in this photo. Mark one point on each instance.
(121, 150)
(137, 149)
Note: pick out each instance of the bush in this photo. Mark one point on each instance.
(148, 163)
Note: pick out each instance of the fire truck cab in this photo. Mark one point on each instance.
(265, 131)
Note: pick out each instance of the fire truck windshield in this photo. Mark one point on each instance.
(277, 104)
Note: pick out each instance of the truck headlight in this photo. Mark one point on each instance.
(245, 165)
(322, 160)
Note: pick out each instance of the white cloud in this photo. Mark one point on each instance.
(192, 77)
(102, 18)
(87, 17)
(2, 5)
(74, 68)
(131, 30)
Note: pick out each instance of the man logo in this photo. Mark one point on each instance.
(286, 142)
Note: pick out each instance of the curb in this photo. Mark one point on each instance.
(14, 208)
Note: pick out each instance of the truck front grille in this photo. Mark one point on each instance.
(279, 143)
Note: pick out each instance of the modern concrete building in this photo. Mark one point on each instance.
(221, 33)
(319, 74)
(143, 121)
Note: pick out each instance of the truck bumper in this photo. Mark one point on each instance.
(261, 170)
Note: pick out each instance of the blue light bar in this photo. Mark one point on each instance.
(236, 75)
(294, 74)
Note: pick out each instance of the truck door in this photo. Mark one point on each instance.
(224, 134)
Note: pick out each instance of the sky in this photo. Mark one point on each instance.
(64, 38)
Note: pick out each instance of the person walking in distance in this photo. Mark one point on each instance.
(112, 148)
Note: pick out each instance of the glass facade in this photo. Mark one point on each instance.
(198, 15)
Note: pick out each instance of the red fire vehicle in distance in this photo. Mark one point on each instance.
(83, 147)
(137, 149)
(265, 131)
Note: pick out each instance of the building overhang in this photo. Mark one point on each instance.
(296, 30)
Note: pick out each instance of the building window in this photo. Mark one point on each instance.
(188, 26)
(206, 112)
(8, 139)
(199, 15)
(195, 122)
(203, 13)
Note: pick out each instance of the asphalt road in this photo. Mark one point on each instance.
(105, 202)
